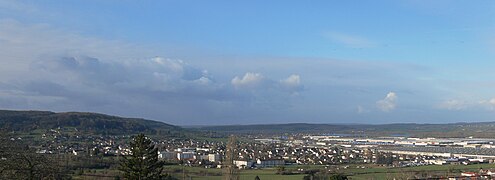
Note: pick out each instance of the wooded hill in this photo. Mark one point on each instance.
(94, 123)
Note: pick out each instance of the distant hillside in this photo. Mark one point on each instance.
(476, 129)
(28, 121)
(94, 123)
(277, 128)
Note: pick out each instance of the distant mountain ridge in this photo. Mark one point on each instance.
(462, 129)
(95, 123)
(28, 121)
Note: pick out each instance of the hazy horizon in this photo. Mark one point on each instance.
(253, 62)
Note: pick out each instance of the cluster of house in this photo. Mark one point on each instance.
(267, 155)
(270, 152)
(203, 156)
(261, 153)
(58, 141)
(308, 150)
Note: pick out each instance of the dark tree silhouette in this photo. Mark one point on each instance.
(338, 177)
(143, 161)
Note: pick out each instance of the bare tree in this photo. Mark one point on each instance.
(230, 171)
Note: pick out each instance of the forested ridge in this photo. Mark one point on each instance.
(28, 121)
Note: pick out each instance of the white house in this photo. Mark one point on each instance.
(214, 157)
(243, 164)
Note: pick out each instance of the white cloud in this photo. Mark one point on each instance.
(256, 81)
(489, 104)
(291, 84)
(389, 103)
(249, 80)
(293, 81)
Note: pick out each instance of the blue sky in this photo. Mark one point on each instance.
(250, 62)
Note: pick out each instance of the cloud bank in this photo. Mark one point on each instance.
(51, 69)
(461, 105)
(48, 69)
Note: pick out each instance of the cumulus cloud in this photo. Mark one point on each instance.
(292, 82)
(256, 81)
(249, 80)
(389, 103)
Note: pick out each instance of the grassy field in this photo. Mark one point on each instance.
(352, 171)
(384, 173)
(216, 174)
(371, 172)
(250, 175)
(197, 173)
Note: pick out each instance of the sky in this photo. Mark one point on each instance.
(252, 62)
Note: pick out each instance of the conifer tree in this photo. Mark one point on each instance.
(142, 163)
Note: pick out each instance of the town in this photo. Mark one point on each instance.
(339, 151)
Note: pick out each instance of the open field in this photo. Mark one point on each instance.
(198, 173)
(371, 172)
(215, 174)
(383, 172)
